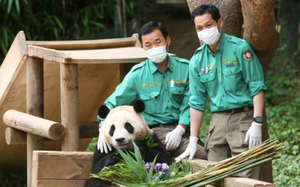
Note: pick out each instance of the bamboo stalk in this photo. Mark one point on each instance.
(263, 153)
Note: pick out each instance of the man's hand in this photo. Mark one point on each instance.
(190, 150)
(254, 135)
(173, 138)
(102, 145)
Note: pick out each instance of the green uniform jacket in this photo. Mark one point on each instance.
(230, 77)
(165, 94)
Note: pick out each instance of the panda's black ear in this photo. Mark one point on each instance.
(103, 111)
(139, 106)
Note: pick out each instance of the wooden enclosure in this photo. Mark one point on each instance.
(61, 81)
(75, 167)
(49, 95)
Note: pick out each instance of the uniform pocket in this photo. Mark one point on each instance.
(231, 74)
(177, 94)
(243, 131)
(244, 124)
(151, 103)
(207, 80)
(208, 144)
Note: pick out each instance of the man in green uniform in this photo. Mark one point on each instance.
(226, 70)
(162, 82)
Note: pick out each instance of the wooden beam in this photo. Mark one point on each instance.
(73, 166)
(12, 64)
(34, 125)
(99, 56)
(35, 106)
(45, 53)
(59, 183)
(85, 44)
(14, 136)
(76, 166)
(69, 106)
(86, 130)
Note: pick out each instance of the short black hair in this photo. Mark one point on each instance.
(206, 8)
(149, 27)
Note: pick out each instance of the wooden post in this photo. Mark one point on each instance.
(35, 125)
(69, 106)
(35, 106)
(86, 130)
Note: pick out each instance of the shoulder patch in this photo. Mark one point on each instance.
(135, 67)
(248, 55)
(182, 60)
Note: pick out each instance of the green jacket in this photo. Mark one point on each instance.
(165, 94)
(230, 77)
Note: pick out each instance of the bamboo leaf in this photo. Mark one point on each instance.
(58, 22)
(9, 6)
(98, 24)
(55, 32)
(17, 6)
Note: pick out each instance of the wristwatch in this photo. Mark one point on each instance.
(258, 119)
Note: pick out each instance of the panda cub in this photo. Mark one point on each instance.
(122, 125)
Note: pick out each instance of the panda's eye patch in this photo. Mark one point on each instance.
(112, 130)
(129, 127)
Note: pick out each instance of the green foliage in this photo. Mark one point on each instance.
(59, 20)
(132, 170)
(92, 145)
(282, 108)
(12, 178)
(149, 141)
(205, 122)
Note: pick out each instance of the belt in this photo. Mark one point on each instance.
(237, 110)
(169, 125)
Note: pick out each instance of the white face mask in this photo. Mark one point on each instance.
(157, 54)
(209, 36)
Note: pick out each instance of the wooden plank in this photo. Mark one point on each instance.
(68, 164)
(35, 107)
(45, 53)
(60, 183)
(98, 56)
(85, 44)
(12, 64)
(69, 106)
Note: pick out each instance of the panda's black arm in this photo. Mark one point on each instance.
(149, 153)
(101, 160)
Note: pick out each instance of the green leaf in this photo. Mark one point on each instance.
(98, 24)
(138, 155)
(58, 22)
(17, 6)
(9, 6)
(55, 32)
(151, 170)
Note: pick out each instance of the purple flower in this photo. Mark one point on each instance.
(165, 167)
(148, 166)
(161, 168)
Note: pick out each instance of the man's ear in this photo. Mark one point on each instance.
(168, 39)
(220, 24)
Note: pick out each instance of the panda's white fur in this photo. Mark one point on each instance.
(122, 120)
